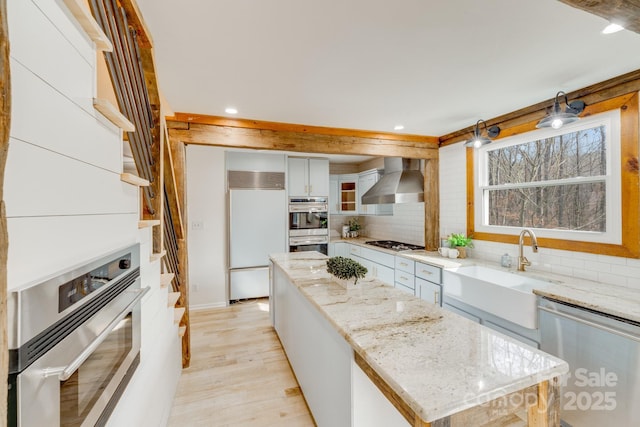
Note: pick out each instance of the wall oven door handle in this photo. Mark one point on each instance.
(64, 372)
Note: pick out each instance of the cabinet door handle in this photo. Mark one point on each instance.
(404, 264)
(310, 189)
(427, 272)
(436, 296)
(403, 278)
(306, 188)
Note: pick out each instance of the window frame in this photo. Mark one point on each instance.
(611, 121)
(629, 208)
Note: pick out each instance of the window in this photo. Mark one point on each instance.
(563, 183)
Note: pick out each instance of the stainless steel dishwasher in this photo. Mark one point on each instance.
(603, 352)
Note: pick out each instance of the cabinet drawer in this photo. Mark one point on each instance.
(404, 288)
(378, 257)
(405, 264)
(355, 250)
(429, 272)
(405, 279)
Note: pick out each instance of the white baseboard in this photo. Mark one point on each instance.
(197, 307)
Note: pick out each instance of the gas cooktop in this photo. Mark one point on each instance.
(393, 245)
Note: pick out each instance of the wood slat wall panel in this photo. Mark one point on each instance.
(41, 246)
(62, 126)
(66, 24)
(38, 50)
(100, 190)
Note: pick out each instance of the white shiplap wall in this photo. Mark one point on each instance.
(453, 219)
(65, 201)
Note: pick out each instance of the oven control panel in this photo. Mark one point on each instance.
(80, 287)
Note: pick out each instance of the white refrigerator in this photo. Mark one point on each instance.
(257, 228)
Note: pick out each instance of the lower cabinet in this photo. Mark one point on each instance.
(337, 391)
(428, 291)
(524, 335)
(320, 358)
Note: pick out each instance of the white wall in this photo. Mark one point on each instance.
(65, 201)
(207, 226)
(453, 219)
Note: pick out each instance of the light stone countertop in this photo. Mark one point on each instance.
(613, 300)
(438, 362)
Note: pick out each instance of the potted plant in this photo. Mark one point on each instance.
(354, 227)
(461, 243)
(345, 271)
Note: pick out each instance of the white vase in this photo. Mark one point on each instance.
(345, 283)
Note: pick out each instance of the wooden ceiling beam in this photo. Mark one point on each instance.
(268, 139)
(621, 12)
(620, 85)
(288, 127)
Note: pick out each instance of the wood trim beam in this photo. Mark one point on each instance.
(630, 182)
(621, 12)
(170, 184)
(431, 205)
(5, 126)
(529, 116)
(265, 139)
(288, 127)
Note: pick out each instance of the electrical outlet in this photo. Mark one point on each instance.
(197, 225)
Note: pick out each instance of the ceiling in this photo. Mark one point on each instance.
(433, 66)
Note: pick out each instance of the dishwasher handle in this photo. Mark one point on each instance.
(590, 323)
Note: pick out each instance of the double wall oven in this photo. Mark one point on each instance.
(74, 342)
(308, 224)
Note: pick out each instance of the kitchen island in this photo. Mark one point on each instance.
(373, 355)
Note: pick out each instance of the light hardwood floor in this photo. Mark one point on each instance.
(239, 375)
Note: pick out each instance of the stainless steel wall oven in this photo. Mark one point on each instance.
(74, 342)
(308, 224)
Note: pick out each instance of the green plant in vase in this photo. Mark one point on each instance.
(345, 269)
(354, 227)
(461, 243)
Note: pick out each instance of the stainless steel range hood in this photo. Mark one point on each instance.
(402, 182)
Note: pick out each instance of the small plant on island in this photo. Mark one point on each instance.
(346, 268)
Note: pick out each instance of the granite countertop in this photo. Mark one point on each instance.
(609, 299)
(438, 362)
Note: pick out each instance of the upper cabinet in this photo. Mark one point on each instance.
(346, 190)
(366, 180)
(308, 177)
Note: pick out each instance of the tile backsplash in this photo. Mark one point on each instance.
(599, 268)
(405, 225)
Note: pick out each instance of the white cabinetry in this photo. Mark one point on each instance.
(366, 180)
(404, 275)
(522, 334)
(348, 194)
(344, 194)
(308, 177)
(429, 282)
(334, 194)
(319, 356)
(339, 249)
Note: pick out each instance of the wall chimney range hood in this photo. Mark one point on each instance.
(402, 182)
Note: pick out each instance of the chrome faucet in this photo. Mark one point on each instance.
(522, 260)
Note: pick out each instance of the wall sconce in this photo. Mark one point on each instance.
(558, 118)
(478, 140)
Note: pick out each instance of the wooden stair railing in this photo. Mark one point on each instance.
(132, 72)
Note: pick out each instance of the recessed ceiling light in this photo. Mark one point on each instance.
(398, 127)
(612, 28)
(231, 110)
